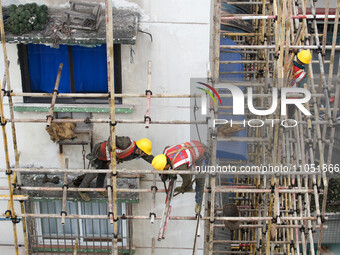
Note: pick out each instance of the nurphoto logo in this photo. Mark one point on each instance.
(287, 98)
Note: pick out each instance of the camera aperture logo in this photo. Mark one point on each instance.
(204, 99)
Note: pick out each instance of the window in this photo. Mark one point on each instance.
(91, 233)
(84, 71)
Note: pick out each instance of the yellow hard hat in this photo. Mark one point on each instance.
(304, 56)
(145, 145)
(159, 162)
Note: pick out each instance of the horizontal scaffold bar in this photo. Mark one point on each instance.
(125, 190)
(311, 47)
(252, 17)
(131, 217)
(103, 95)
(238, 171)
(105, 121)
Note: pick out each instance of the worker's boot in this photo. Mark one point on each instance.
(84, 196)
(104, 193)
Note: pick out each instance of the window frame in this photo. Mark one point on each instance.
(69, 240)
(26, 84)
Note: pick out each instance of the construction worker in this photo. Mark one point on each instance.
(183, 157)
(299, 76)
(100, 158)
(304, 57)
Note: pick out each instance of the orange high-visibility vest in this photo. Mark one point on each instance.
(105, 154)
(185, 153)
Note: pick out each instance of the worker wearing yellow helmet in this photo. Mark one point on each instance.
(304, 57)
(100, 158)
(183, 157)
(299, 76)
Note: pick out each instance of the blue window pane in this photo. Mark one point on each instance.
(43, 62)
(89, 66)
(90, 69)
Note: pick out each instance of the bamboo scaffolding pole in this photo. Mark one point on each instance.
(109, 196)
(141, 217)
(209, 247)
(334, 39)
(321, 65)
(246, 3)
(14, 137)
(227, 62)
(331, 66)
(238, 34)
(306, 179)
(54, 96)
(184, 122)
(99, 95)
(111, 89)
(65, 186)
(330, 149)
(311, 155)
(278, 73)
(5, 141)
(154, 189)
(153, 244)
(238, 171)
(305, 47)
(218, 189)
(15, 197)
(302, 157)
(267, 17)
(261, 226)
(75, 250)
(148, 94)
(219, 85)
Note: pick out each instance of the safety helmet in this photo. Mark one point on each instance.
(159, 162)
(304, 56)
(145, 145)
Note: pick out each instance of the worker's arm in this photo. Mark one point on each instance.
(148, 158)
(165, 177)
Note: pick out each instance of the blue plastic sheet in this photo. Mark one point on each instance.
(89, 65)
(231, 150)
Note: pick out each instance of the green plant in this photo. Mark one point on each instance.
(25, 18)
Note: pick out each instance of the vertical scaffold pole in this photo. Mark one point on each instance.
(110, 79)
(4, 133)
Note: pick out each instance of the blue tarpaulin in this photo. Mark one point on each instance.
(89, 65)
(231, 150)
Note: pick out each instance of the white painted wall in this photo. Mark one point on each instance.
(179, 51)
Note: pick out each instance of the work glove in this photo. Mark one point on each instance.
(164, 177)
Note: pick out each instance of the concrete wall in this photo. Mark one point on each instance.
(179, 51)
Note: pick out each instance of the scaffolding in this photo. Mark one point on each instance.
(279, 213)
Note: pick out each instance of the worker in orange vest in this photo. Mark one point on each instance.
(183, 157)
(100, 158)
(303, 58)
